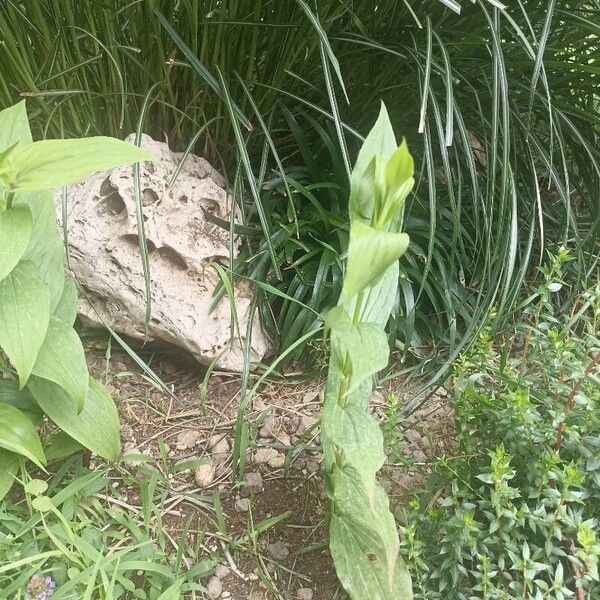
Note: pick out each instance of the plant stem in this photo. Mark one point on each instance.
(571, 399)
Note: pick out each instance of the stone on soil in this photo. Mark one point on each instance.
(278, 550)
(182, 243)
(214, 587)
(204, 474)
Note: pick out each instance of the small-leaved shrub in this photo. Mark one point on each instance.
(520, 508)
(42, 364)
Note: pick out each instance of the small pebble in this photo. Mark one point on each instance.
(305, 594)
(254, 481)
(270, 456)
(412, 435)
(278, 550)
(214, 587)
(242, 505)
(204, 474)
(221, 572)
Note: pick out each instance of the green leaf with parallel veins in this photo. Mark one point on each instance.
(24, 317)
(96, 427)
(9, 462)
(364, 345)
(50, 164)
(60, 446)
(61, 359)
(17, 434)
(370, 253)
(21, 399)
(361, 562)
(14, 126)
(46, 248)
(66, 309)
(15, 230)
(380, 141)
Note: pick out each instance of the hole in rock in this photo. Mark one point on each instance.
(149, 197)
(173, 257)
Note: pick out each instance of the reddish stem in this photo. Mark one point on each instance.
(571, 399)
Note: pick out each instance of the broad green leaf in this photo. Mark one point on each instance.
(66, 309)
(24, 317)
(173, 592)
(14, 126)
(378, 303)
(366, 505)
(9, 465)
(60, 446)
(21, 399)
(370, 253)
(18, 434)
(50, 164)
(15, 230)
(361, 347)
(61, 359)
(96, 427)
(45, 249)
(357, 438)
(380, 141)
(360, 562)
(35, 487)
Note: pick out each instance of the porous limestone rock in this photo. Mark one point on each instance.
(182, 243)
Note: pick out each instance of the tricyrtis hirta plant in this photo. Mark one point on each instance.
(45, 370)
(363, 537)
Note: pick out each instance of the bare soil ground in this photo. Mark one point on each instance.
(269, 529)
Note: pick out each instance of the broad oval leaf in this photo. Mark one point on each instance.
(18, 434)
(21, 399)
(61, 359)
(15, 230)
(370, 253)
(24, 317)
(66, 309)
(14, 126)
(9, 462)
(361, 562)
(96, 427)
(365, 345)
(380, 141)
(49, 164)
(46, 248)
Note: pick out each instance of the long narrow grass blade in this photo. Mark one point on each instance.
(245, 159)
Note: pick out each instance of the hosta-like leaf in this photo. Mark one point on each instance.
(59, 446)
(21, 399)
(96, 427)
(49, 164)
(14, 126)
(361, 562)
(24, 317)
(45, 249)
(61, 359)
(370, 253)
(15, 230)
(66, 309)
(357, 439)
(9, 462)
(364, 345)
(380, 141)
(18, 434)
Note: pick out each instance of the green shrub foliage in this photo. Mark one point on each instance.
(520, 513)
(45, 371)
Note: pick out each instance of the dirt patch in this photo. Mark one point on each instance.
(266, 533)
